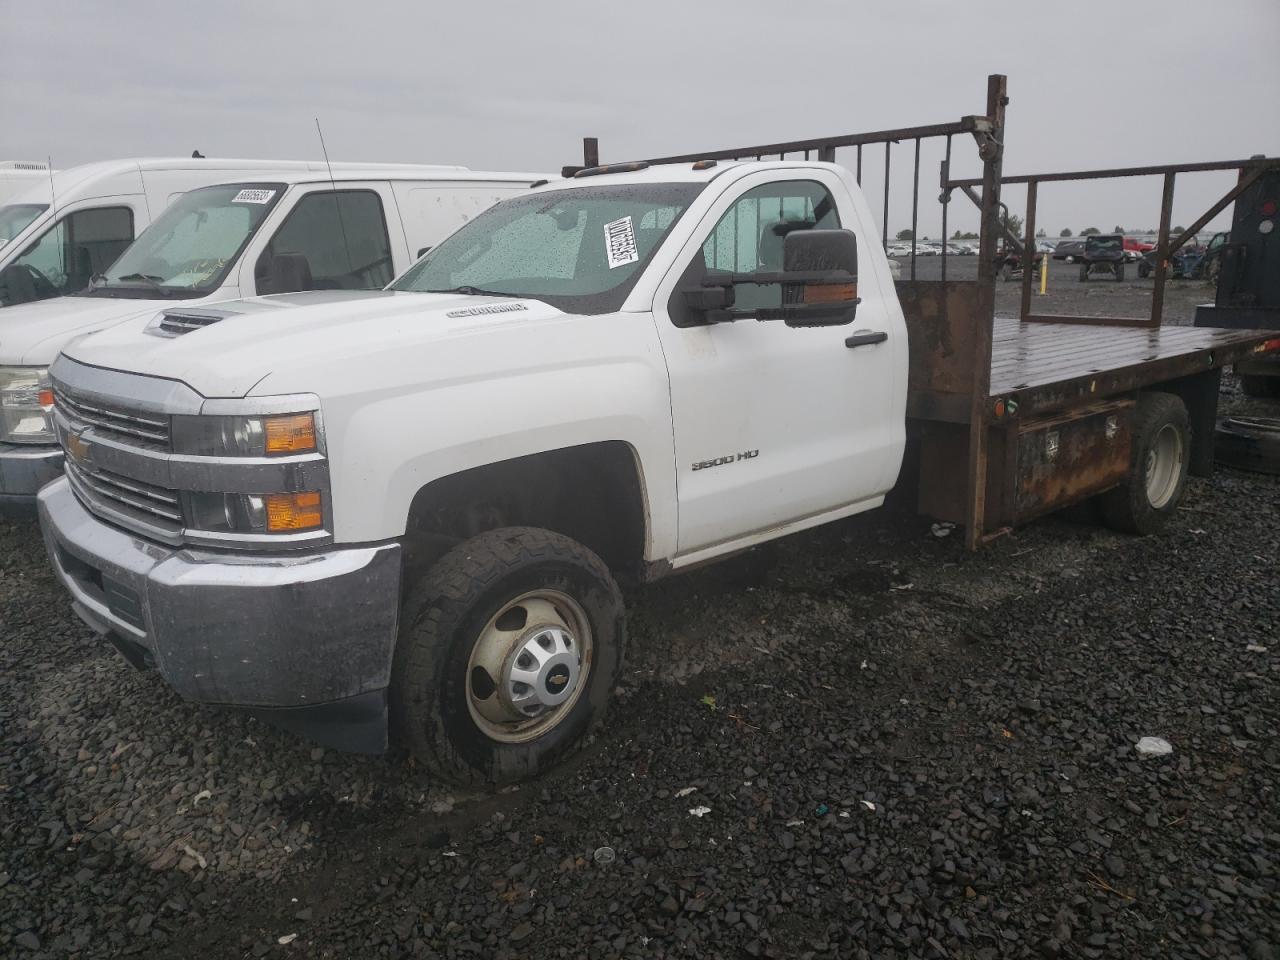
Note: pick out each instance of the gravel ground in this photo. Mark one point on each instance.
(897, 749)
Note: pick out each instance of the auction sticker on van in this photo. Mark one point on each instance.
(253, 196)
(620, 243)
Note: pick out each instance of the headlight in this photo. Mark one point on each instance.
(255, 513)
(26, 404)
(265, 436)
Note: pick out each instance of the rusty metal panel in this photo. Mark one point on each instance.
(942, 326)
(944, 454)
(1067, 458)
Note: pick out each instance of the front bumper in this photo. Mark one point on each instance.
(307, 636)
(24, 469)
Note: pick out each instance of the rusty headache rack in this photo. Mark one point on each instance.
(1077, 389)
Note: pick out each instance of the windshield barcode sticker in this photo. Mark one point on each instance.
(253, 196)
(620, 243)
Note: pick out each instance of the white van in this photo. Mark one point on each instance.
(280, 232)
(65, 229)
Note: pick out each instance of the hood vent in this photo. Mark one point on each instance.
(174, 323)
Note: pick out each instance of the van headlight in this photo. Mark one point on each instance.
(26, 405)
(240, 436)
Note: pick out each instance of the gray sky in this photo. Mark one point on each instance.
(516, 86)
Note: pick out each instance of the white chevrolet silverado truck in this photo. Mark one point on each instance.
(410, 506)
(323, 504)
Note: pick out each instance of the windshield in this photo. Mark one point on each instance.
(16, 217)
(190, 247)
(581, 250)
(1105, 244)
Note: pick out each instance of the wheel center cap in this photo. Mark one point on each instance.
(543, 670)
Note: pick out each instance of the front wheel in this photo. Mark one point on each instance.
(1120, 273)
(509, 648)
(1158, 465)
(1084, 271)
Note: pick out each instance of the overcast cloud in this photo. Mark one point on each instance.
(516, 86)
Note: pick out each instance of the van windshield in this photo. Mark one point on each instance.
(188, 250)
(16, 217)
(579, 249)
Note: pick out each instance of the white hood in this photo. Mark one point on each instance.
(291, 334)
(31, 334)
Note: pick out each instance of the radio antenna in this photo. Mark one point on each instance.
(342, 227)
(53, 197)
(143, 183)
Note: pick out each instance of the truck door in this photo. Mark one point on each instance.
(326, 240)
(774, 425)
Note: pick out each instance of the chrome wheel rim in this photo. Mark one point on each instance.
(529, 666)
(1164, 466)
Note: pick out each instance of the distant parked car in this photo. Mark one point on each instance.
(1069, 250)
(1103, 253)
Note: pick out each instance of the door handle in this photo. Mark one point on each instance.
(864, 337)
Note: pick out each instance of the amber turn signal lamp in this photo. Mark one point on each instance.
(293, 511)
(830, 292)
(294, 433)
(46, 397)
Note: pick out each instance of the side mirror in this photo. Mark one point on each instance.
(820, 271)
(288, 273)
(708, 299)
(422, 252)
(817, 286)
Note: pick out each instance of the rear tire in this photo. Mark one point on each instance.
(1144, 270)
(1084, 271)
(515, 602)
(1257, 385)
(1158, 465)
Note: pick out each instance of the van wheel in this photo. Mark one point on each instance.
(509, 648)
(1158, 464)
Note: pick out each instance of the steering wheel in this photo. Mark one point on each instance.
(42, 283)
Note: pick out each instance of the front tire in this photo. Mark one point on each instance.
(1084, 271)
(509, 649)
(1158, 465)
(1120, 273)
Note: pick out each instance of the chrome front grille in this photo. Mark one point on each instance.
(128, 426)
(149, 508)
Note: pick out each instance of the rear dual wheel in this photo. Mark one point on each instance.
(509, 648)
(1158, 465)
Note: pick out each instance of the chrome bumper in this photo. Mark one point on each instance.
(284, 631)
(25, 468)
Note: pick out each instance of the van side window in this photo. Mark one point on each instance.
(68, 255)
(329, 241)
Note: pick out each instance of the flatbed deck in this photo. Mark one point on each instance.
(1044, 366)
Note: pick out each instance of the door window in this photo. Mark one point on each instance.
(750, 236)
(69, 254)
(336, 239)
